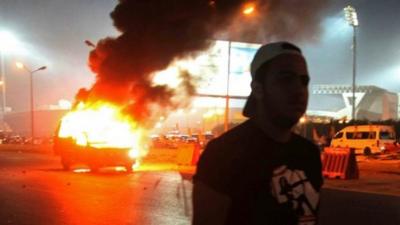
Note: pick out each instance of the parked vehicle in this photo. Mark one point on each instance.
(365, 139)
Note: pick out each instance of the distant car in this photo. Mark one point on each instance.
(192, 140)
(14, 139)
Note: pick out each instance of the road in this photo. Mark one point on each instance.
(35, 191)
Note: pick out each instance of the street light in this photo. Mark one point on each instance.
(31, 72)
(3, 83)
(248, 10)
(351, 17)
(8, 43)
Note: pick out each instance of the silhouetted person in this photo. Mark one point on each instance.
(260, 172)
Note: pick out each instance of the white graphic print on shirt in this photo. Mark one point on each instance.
(293, 187)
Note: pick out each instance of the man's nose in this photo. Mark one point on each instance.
(299, 84)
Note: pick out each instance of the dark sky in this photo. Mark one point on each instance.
(378, 38)
(54, 32)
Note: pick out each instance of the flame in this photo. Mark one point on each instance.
(102, 125)
(171, 75)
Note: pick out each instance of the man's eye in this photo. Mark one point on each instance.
(291, 78)
(285, 78)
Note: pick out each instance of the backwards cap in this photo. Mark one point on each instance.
(264, 55)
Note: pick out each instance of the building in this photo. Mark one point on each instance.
(335, 101)
(46, 122)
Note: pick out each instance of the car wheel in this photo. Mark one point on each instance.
(66, 164)
(367, 151)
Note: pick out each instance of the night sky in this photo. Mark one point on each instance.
(53, 34)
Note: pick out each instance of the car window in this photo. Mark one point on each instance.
(350, 135)
(386, 135)
(338, 135)
(365, 135)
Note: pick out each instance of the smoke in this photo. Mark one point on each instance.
(278, 20)
(154, 33)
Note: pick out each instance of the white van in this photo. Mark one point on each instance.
(365, 139)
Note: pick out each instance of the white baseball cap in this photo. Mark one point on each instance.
(265, 54)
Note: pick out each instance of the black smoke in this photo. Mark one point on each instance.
(154, 33)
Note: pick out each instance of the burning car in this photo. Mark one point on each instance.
(98, 135)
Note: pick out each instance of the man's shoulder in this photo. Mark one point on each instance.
(220, 156)
(225, 148)
(236, 137)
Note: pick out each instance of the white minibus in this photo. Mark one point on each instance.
(365, 139)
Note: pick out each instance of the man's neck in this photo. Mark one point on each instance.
(274, 132)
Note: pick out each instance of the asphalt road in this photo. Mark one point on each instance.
(35, 191)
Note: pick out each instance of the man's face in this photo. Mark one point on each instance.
(285, 89)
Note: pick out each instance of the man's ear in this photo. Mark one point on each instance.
(257, 89)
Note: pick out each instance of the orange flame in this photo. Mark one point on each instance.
(103, 125)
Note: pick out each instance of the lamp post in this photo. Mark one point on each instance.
(3, 83)
(31, 72)
(8, 44)
(248, 10)
(226, 117)
(7, 41)
(351, 17)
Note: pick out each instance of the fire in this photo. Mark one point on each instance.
(171, 75)
(102, 125)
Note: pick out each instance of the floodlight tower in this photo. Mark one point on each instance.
(352, 19)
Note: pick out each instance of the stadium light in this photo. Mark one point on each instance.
(352, 19)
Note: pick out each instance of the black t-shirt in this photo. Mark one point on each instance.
(268, 182)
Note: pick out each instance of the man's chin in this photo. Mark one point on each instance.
(286, 122)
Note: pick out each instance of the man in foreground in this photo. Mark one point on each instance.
(260, 172)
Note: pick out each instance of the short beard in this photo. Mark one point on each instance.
(285, 122)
